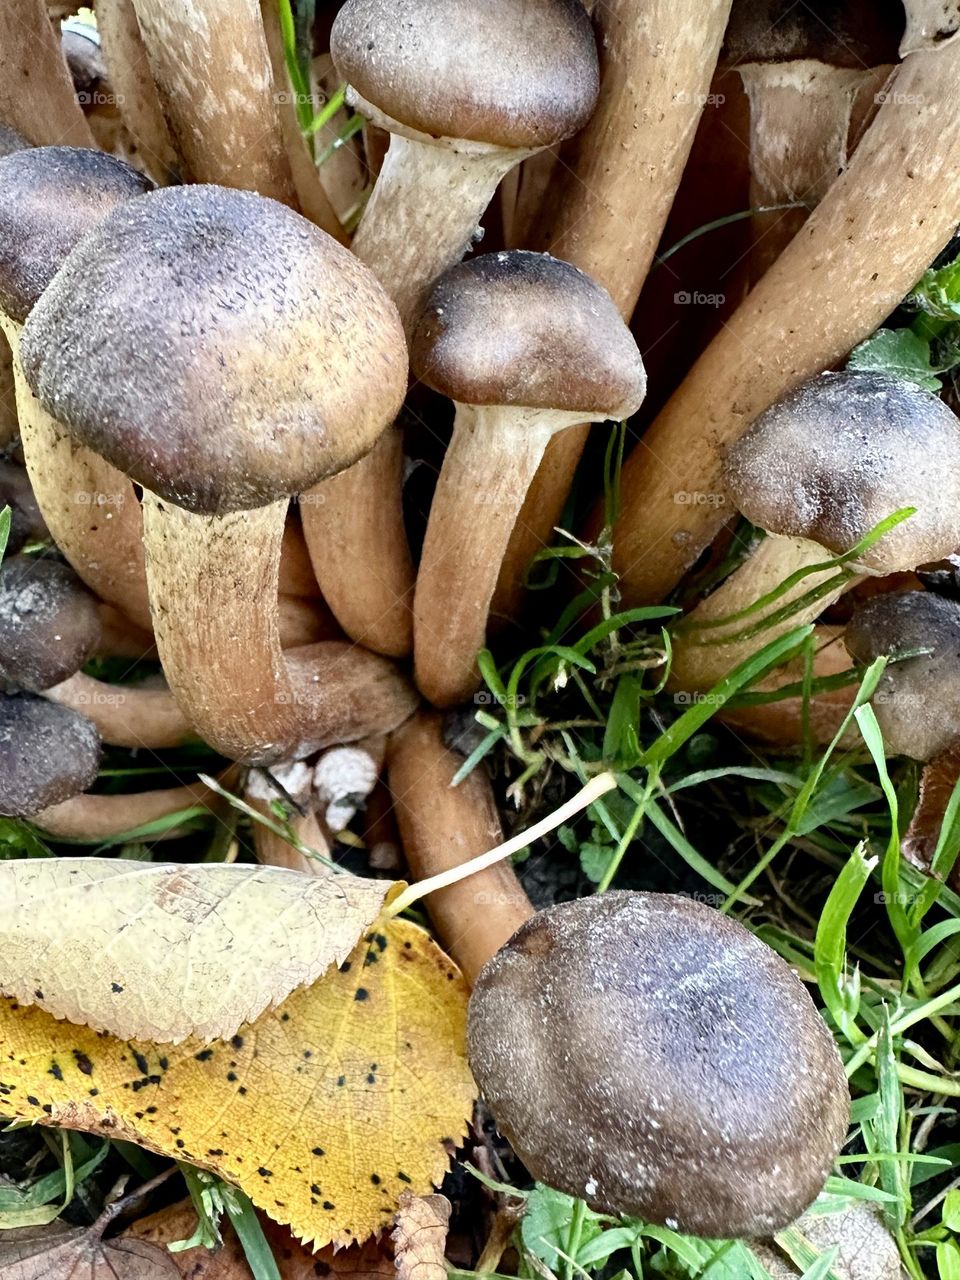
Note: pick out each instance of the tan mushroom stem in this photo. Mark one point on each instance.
(880, 225)
(491, 460)
(703, 654)
(443, 826)
(36, 91)
(420, 220)
(233, 682)
(125, 715)
(9, 423)
(92, 817)
(212, 70)
(799, 122)
(89, 506)
(608, 210)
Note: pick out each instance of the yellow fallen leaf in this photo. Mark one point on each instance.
(160, 951)
(324, 1110)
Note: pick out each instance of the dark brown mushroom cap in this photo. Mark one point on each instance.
(49, 622)
(856, 34)
(11, 141)
(49, 198)
(218, 348)
(917, 701)
(842, 452)
(513, 73)
(48, 754)
(26, 521)
(648, 1054)
(518, 328)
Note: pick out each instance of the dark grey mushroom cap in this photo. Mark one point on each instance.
(49, 198)
(49, 622)
(218, 348)
(48, 754)
(842, 452)
(841, 33)
(648, 1054)
(917, 701)
(11, 141)
(518, 328)
(514, 73)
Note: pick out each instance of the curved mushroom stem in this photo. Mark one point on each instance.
(608, 210)
(442, 826)
(880, 225)
(491, 460)
(419, 221)
(197, 53)
(125, 715)
(219, 644)
(88, 817)
(90, 507)
(36, 92)
(9, 423)
(799, 121)
(702, 656)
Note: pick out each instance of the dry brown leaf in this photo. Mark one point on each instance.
(420, 1237)
(61, 1252)
(323, 1111)
(155, 951)
(937, 782)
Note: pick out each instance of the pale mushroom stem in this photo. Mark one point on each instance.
(490, 463)
(37, 97)
(88, 817)
(90, 507)
(799, 122)
(830, 288)
(125, 715)
(702, 656)
(420, 220)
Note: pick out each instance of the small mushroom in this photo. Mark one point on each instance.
(648, 1054)
(525, 345)
(225, 379)
(49, 197)
(48, 754)
(464, 100)
(49, 622)
(819, 470)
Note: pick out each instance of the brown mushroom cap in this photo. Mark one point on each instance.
(842, 452)
(49, 622)
(49, 198)
(917, 701)
(48, 754)
(514, 73)
(518, 328)
(842, 33)
(648, 1054)
(218, 348)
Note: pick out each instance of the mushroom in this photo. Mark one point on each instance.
(96, 818)
(10, 141)
(818, 471)
(36, 91)
(917, 702)
(801, 70)
(223, 380)
(880, 225)
(444, 826)
(49, 622)
(608, 206)
(49, 197)
(646, 1053)
(464, 101)
(48, 754)
(525, 345)
(930, 23)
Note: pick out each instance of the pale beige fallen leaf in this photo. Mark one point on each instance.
(61, 1252)
(161, 951)
(420, 1237)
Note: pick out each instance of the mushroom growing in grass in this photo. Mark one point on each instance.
(526, 345)
(224, 379)
(819, 471)
(49, 198)
(465, 96)
(651, 1056)
(48, 754)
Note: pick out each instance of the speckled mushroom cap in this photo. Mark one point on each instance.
(11, 141)
(218, 348)
(917, 701)
(648, 1054)
(842, 33)
(48, 754)
(518, 328)
(49, 198)
(842, 452)
(49, 623)
(513, 73)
